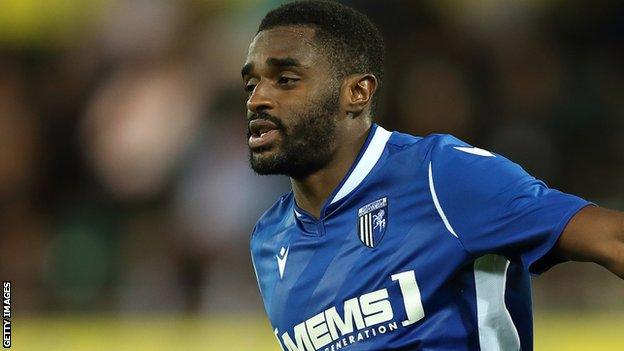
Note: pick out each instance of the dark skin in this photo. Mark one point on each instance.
(284, 70)
(595, 234)
(275, 93)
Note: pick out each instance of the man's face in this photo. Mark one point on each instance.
(293, 103)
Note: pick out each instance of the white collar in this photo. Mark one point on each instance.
(365, 164)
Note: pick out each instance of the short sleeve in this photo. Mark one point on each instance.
(493, 206)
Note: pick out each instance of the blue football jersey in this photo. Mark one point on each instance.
(426, 244)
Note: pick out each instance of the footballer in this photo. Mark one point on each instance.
(390, 241)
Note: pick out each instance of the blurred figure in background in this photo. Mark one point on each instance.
(24, 230)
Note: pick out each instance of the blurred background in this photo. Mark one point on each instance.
(126, 200)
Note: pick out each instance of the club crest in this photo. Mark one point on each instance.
(372, 222)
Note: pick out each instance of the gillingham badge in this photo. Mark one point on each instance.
(372, 222)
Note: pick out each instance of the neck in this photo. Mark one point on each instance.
(312, 191)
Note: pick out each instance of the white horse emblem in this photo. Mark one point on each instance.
(372, 222)
(379, 220)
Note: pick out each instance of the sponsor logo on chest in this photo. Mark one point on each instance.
(364, 317)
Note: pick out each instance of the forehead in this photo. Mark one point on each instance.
(289, 41)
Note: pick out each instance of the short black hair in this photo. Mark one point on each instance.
(353, 42)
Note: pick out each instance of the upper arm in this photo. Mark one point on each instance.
(494, 206)
(595, 234)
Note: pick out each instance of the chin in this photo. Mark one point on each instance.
(265, 162)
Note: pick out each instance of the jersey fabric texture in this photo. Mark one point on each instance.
(426, 244)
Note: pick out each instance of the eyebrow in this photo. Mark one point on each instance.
(275, 62)
(246, 69)
(283, 62)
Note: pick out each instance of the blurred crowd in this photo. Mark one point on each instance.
(124, 180)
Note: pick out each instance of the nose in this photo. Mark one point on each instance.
(259, 99)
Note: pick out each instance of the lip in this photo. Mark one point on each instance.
(262, 133)
(263, 140)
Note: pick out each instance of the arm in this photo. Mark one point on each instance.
(495, 207)
(595, 234)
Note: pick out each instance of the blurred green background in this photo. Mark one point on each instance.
(126, 201)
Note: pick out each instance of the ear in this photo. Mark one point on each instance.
(359, 90)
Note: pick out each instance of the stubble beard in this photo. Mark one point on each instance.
(308, 145)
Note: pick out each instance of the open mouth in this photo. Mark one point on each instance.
(262, 133)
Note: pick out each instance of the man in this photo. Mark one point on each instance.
(390, 241)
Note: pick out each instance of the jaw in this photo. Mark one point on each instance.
(264, 161)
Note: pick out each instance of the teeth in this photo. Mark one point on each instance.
(262, 134)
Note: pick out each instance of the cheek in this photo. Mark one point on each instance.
(294, 104)
(291, 104)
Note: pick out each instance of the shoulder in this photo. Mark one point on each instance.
(431, 146)
(279, 215)
(452, 160)
(440, 145)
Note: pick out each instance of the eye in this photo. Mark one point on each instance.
(286, 80)
(250, 88)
